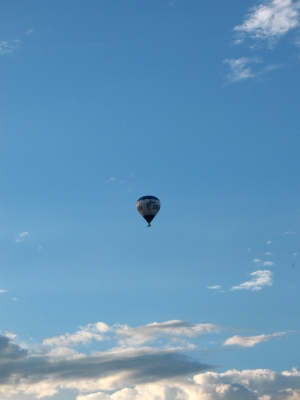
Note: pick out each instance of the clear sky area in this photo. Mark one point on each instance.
(196, 102)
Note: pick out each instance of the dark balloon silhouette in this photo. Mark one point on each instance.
(148, 207)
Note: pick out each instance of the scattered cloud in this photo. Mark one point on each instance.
(265, 23)
(8, 47)
(3, 290)
(259, 280)
(241, 68)
(269, 242)
(288, 233)
(250, 341)
(268, 264)
(270, 20)
(110, 180)
(256, 260)
(29, 31)
(22, 237)
(269, 253)
(216, 288)
(247, 67)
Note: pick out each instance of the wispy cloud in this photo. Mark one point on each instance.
(241, 68)
(8, 47)
(215, 287)
(268, 264)
(250, 341)
(247, 67)
(259, 280)
(110, 180)
(29, 32)
(288, 233)
(126, 336)
(23, 236)
(172, 329)
(270, 20)
(3, 290)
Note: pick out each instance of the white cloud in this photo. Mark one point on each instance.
(250, 384)
(259, 384)
(250, 341)
(42, 373)
(10, 335)
(259, 280)
(288, 233)
(131, 373)
(256, 260)
(216, 288)
(8, 47)
(83, 336)
(241, 68)
(247, 67)
(268, 264)
(3, 290)
(23, 236)
(127, 336)
(264, 24)
(269, 242)
(271, 19)
(29, 31)
(174, 329)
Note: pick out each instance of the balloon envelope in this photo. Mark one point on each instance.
(148, 207)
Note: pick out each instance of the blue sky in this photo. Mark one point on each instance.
(196, 103)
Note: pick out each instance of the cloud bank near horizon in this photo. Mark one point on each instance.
(147, 362)
(260, 384)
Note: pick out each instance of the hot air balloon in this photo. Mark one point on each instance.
(148, 207)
